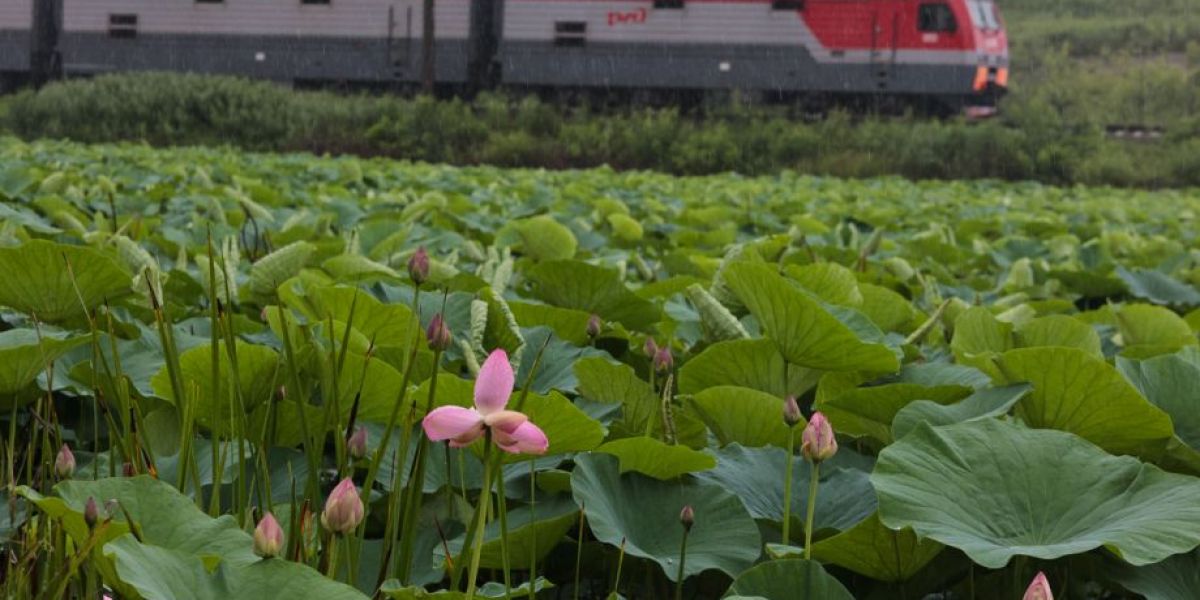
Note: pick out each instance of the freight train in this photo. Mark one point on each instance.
(954, 52)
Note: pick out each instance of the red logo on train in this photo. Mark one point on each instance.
(623, 18)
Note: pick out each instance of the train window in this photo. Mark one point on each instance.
(122, 25)
(570, 33)
(668, 3)
(787, 5)
(314, 1)
(936, 17)
(210, 1)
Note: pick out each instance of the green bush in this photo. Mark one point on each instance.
(1051, 134)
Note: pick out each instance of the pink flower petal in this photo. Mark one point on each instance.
(453, 422)
(506, 420)
(494, 384)
(527, 438)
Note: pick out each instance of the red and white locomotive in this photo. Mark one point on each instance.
(953, 50)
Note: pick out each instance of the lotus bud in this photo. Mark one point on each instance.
(1039, 589)
(356, 444)
(64, 463)
(817, 443)
(663, 361)
(687, 517)
(594, 324)
(91, 513)
(791, 412)
(438, 334)
(268, 537)
(343, 509)
(650, 348)
(418, 266)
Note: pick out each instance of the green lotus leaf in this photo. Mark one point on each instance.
(755, 364)
(876, 551)
(652, 457)
(1059, 330)
(1077, 392)
(57, 282)
(1169, 382)
(806, 333)
(745, 416)
(984, 404)
(591, 289)
(1142, 325)
(24, 355)
(643, 514)
(217, 404)
(1158, 287)
(1048, 494)
(1176, 578)
(787, 580)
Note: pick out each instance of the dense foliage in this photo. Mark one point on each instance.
(1053, 130)
(214, 336)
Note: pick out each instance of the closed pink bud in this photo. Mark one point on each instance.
(357, 443)
(91, 513)
(663, 361)
(64, 463)
(438, 334)
(268, 537)
(418, 266)
(791, 412)
(687, 517)
(343, 509)
(1039, 589)
(594, 325)
(650, 347)
(817, 442)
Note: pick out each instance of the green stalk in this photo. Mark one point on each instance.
(332, 553)
(787, 486)
(532, 521)
(620, 565)
(480, 522)
(579, 550)
(416, 484)
(503, 509)
(812, 509)
(682, 560)
(311, 450)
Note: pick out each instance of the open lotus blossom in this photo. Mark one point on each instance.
(511, 430)
(1039, 589)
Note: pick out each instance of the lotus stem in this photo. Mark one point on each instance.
(787, 486)
(579, 550)
(812, 509)
(480, 521)
(682, 562)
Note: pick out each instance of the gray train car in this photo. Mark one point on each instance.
(16, 22)
(952, 50)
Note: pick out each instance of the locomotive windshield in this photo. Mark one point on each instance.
(936, 17)
(984, 15)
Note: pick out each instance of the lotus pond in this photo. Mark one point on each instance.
(231, 375)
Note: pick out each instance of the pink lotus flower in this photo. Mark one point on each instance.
(511, 430)
(343, 509)
(1039, 589)
(817, 442)
(268, 537)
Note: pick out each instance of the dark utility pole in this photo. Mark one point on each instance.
(44, 61)
(427, 57)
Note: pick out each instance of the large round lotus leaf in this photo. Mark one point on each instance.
(805, 332)
(1077, 392)
(1059, 330)
(581, 286)
(791, 579)
(880, 553)
(755, 364)
(1153, 328)
(984, 404)
(1169, 382)
(23, 356)
(1158, 288)
(745, 416)
(756, 476)
(644, 513)
(1176, 578)
(164, 573)
(996, 490)
(37, 280)
(215, 401)
(657, 459)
